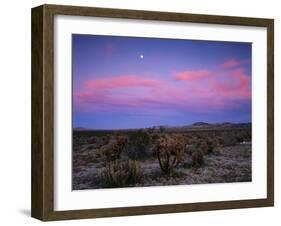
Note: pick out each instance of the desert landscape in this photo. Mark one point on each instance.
(160, 111)
(200, 153)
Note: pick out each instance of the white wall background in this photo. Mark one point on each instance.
(15, 112)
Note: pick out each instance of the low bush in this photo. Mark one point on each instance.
(197, 155)
(211, 144)
(190, 148)
(229, 139)
(197, 158)
(121, 173)
(139, 145)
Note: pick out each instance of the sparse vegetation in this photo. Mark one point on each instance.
(197, 158)
(121, 173)
(229, 139)
(139, 143)
(148, 157)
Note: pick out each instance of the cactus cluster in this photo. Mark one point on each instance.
(114, 148)
(169, 153)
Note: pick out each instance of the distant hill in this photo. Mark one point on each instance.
(244, 125)
(207, 126)
(200, 124)
(223, 124)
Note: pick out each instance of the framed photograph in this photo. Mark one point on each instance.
(141, 112)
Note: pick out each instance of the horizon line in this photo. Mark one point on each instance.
(157, 126)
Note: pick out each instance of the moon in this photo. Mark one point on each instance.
(141, 56)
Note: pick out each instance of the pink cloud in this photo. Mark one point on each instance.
(132, 93)
(233, 63)
(230, 63)
(236, 86)
(193, 75)
(149, 92)
(120, 82)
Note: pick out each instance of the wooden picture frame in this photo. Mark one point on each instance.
(42, 204)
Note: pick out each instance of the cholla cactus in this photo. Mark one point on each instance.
(170, 153)
(121, 173)
(115, 147)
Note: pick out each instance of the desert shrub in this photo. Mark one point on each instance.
(218, 140)
(232, 138)
(197, 155)
(151, 130)
(162, 129)
(248, 135)
(203, 146)
(239, 139)
(121, 173)
(192, 140)
(229, 139)
(156, 175)
(246, 153)
(170, 153)
(98, 141)
(197, 158)
(219, 151)
(245, 135)
(114, 148)
(189, 149)
(90, 147)
(211, 144)
(86, 159)
(155, 137)
(139, 143)
(206, 145)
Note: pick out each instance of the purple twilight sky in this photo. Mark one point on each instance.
(127, 82)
